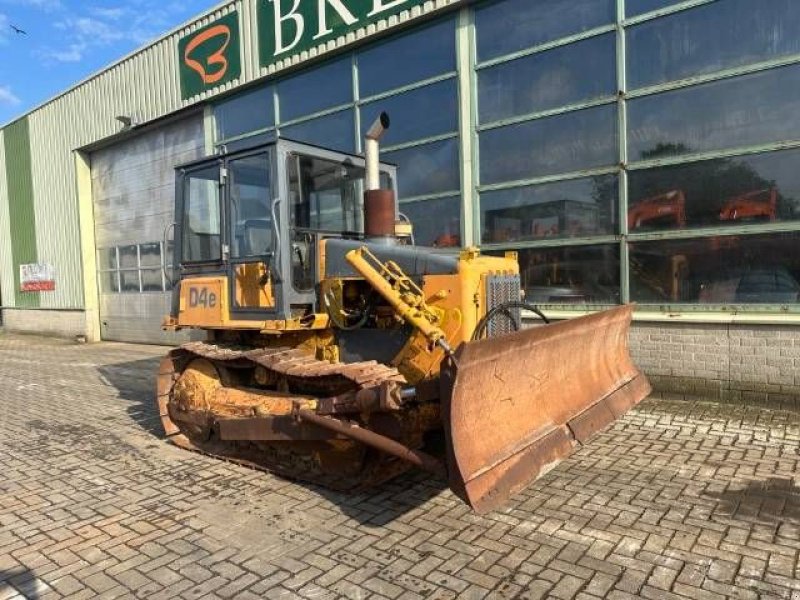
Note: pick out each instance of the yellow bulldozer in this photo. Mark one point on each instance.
(336, 350)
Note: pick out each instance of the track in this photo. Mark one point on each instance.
(300, 371)
(339, 464)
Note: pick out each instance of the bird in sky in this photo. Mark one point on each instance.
(18, 31)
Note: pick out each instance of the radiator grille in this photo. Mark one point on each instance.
(499, 290)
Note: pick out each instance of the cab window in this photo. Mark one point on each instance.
(251, 206)
(325, 195)
(201, 218)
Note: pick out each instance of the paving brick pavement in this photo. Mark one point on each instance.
(677, 500)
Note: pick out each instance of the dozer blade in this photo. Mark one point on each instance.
(514, 406)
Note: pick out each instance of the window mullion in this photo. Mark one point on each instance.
(622, 115)
(356, 104)
(464, 55)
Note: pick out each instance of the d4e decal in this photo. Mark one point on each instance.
(202, 297)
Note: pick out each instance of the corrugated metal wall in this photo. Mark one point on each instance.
(57, 232)
(145, 85)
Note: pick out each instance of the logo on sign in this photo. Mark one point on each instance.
(210, 56)
(216, 61)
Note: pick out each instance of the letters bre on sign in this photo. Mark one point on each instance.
(288, 27)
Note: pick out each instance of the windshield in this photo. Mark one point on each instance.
(327, 195)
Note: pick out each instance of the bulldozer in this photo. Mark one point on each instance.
(337, 352)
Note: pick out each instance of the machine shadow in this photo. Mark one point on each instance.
(21, 580)
(389, 501)
(769, 501)
(135, 383)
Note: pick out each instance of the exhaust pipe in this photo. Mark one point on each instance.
(372, 151)
(379, 204)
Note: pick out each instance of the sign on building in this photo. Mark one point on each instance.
(37, 278)
(210, 56)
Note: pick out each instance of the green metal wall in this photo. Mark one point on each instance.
(19, 183)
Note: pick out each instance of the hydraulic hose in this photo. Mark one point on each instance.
(506, 309)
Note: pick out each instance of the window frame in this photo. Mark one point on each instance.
(181, 215)
(117, 271)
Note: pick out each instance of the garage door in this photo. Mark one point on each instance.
(133, 188)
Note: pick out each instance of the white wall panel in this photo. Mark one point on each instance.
(131, 318)
(133, 191)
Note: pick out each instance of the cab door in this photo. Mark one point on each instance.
(251, 236)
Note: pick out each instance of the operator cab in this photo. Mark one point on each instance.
(256, 216)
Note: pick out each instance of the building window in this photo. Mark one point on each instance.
(719, 115)
(710, 38)
(580, 72)
(718, 192)
(334, 131)
(437, 222)
(638, 7)
(429, 169)
(417, 114)
(727, 270)
(674, 163)
(245, 113)
(134, 269)
(315, 90)
(516, 25)
(423, 54)
(574, 141)
(565, 209)
(571, 275)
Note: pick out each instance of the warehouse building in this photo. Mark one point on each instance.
(628, 150)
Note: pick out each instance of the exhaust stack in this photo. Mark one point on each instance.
(372, 150)
(379, 204)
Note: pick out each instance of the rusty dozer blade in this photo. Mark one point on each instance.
(514, 406)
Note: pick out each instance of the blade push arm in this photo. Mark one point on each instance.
(404, 296)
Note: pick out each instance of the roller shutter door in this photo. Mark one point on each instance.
(133, 189)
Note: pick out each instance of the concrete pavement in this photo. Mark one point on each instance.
(677, 500)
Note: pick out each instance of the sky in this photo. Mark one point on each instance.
(67, 40)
